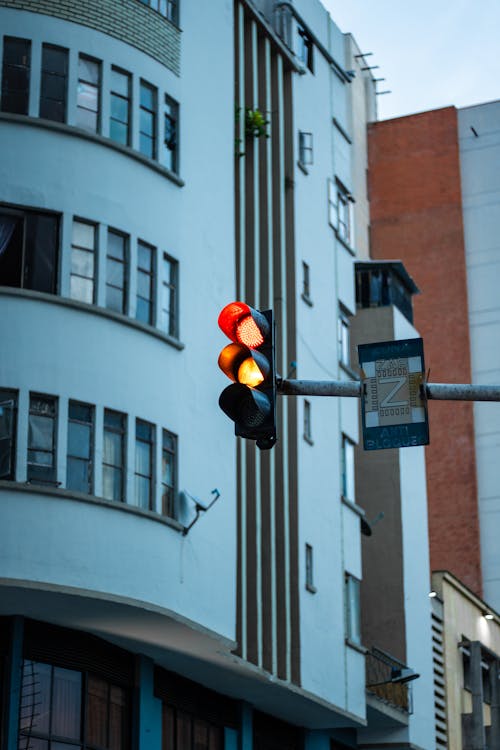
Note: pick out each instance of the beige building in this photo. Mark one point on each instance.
(466, 660)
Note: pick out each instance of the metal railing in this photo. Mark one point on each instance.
(379, 666)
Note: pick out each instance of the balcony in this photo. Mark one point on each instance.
(388, 694)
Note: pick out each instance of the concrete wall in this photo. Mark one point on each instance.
(479, 144)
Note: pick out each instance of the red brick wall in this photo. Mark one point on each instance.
(416, 217)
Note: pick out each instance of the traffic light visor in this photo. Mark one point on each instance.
(243, 365)
(244, 325)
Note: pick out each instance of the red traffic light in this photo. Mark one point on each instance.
(244, 325)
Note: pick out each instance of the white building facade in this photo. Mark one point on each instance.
(127, 221)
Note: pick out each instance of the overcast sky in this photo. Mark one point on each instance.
(433, 53)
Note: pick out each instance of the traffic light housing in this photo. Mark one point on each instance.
(250, 362)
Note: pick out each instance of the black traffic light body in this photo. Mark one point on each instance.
(250, 362)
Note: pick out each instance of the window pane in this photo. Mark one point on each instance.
(167, 469)
(6, 419)
(144, 256)
(87, 96)
(55, 60)
(116, 246)
(147, 96)
(119, 109)
(97, 712)
(112, 483)
(40, 432)
(113, 448)
(114, 299)
(82, 262)
(118, 132)
(82, 289)
(142, 492)
(117, 718)
(143, 310)
(119, 82)
(146, 145)
(40, 458)
(88, 70)
(115, 272)
(86, 119)
(53, 86)
(79, 440)
(77, 475)
(146, 123)
(66, 703)
(144, 285)
(143, 458)
(83, 235)
(35, 714)
(114, 420)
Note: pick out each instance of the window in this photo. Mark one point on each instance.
(73, 709)
(344, 340)
(167, 8)
(82, 282)
(88, 94)
(119, 121)
(42, 426)
(80, 447)
(307, 422)
(352, 609)
(305, 148)
(147, 122)
(182, 730)
(116, 261)
(168, 473)
(343, 223)
(306, 287)
(8, 419)
(29, 250)
(171, 135)
(340, 217)
(169, 280)
(113, 464)
(54, 83)
(145, 278)
(144, 449)
(310, 570)
(305, 49)
(347, 467)
(16, 75)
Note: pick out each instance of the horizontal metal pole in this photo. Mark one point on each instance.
(320, 388)
(462, 392)
(354, 389)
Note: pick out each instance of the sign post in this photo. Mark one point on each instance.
(393, 410)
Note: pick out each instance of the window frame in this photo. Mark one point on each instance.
(344, 340)
(122, 431)
(124, 262)
(305, 51)
(352, 615)
(37, 473)
(309, 565)
(306, 153)
(64, 76)
(10, 396)
(90, 460)
(128, 99)
(151, 442)
(173, 118)
(152, 276)
(169, 503)
(93, 252)
(172, 284)
(153, 113)
(21, 68)
(97, 86)
(348, 483)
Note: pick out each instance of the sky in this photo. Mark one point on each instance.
(432, 53)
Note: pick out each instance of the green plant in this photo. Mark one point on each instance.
(255, 123)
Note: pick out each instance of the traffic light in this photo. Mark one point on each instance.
(250, 362)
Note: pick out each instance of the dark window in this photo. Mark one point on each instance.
(54, 84)
(8, 419)
(147, 122)
(168, 473)
(310, 569)
(71, 709)
(305, 49)
(306, 283)
(80, 447)
(116, 271)
(169, 322)
(307, 422)
(42, 430)
(119, 121)
(88, 94)
(145, 283)
(144, 450)
(171, 135)
(113, 463)
(83, 261)
(181, 730)
(29, 250)
(16, 75)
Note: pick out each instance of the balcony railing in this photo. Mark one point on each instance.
(379, 674)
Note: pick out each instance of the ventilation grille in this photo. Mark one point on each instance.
(439, 679)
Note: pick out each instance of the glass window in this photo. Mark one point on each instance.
(307, 422)
(80, 447)
(119, 121)
(332, 204)
(8, 420)
(167, 8)
(182, 730)
(116, 272)
(169, 279)
(352, 609)
(29, 248)
(144, 451)
(42, 439)
(147, 120)
(305, 148)
(88, 93)
(16, 75)
(171, 135)
(340, 211)
(71, 710)
(54, 83)
(113, 464)
(168, 473)
(310, 569)
(145, 283)
(306, 286)
(344, 340)
(347, 466)
(82, 282)
(305, 49)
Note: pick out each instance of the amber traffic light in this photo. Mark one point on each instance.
(249, 362)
